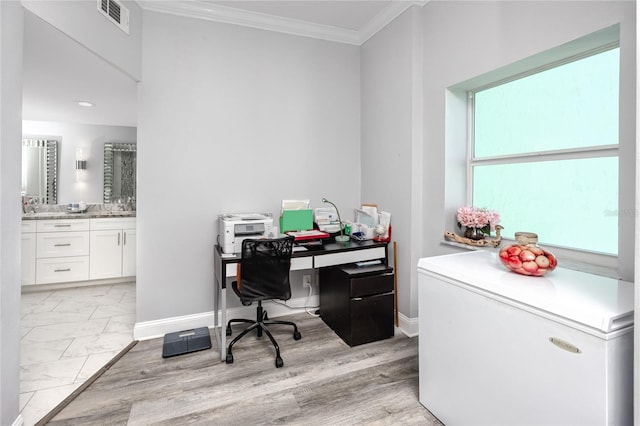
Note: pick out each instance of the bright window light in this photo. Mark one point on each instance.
(545, 152)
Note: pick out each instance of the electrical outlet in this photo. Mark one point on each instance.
(306, 280)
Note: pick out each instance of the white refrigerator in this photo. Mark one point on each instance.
(498, 348)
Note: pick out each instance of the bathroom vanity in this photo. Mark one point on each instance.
(63, 247)
(501, 348)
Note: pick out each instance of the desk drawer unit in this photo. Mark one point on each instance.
(357, 302)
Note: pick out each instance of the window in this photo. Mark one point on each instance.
(544, 151)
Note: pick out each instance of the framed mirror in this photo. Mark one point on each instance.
(119, 172)
(40, 170)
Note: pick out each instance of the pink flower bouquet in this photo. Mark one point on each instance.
(480, 218)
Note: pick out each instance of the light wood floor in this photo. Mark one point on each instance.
(323, 381)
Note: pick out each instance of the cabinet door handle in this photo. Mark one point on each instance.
(62, 270)
(62, 245)
(118, 238)
(62, 226)
(124, 240)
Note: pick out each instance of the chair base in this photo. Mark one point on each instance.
(260, 325)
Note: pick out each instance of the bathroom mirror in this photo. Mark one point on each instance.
(119, 172)
(40, 170)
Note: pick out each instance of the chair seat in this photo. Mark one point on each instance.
(234, 286)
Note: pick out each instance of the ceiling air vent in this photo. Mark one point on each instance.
(116, 13)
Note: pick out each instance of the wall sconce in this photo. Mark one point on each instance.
(81, 165)
(339, 238)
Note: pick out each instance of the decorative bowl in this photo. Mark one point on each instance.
(526, 257)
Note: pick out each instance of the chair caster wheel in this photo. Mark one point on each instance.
(228, 331)
(297, 335)
(279, 362)
(229, 359)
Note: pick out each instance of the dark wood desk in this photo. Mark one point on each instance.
(328, 254)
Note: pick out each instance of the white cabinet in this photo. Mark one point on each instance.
(113, 248)
(62, 250)
(28, 252)
(500, 348)
(78, 249)
(129, 252)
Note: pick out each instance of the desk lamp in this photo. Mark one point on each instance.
(339, 238)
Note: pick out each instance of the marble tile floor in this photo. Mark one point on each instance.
(66, 336)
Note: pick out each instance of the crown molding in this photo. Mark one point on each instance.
(201, 9)
(384, 18)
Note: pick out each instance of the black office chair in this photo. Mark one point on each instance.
(263, 274)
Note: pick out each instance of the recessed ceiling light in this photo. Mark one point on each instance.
(85, 104)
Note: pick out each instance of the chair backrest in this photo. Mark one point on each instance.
(265, 269)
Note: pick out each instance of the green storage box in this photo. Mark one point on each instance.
(296, 220)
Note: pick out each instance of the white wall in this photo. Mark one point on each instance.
(82, 22)
(233, 119)
(11, 21)
(91, 139)
(391, 81)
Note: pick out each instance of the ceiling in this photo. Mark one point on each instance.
(58, 71)
(347, 15)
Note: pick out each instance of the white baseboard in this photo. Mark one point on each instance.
(154, 329)
(158, 328)
(409, 326)
(29, 288)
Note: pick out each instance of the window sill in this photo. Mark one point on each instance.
(588, 268)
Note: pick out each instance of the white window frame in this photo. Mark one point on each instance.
(600, 262)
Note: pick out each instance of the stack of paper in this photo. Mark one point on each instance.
(311, 234)
(327, 219)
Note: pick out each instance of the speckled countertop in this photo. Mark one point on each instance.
(83, 215)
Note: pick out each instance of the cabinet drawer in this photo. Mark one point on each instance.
(54, 270)
(349, 257)
(371, 319)
(29, 226)
(99, 224)
(57, 244)
(375, 284)
(64, 225)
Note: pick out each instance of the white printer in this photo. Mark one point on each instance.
(233, 228)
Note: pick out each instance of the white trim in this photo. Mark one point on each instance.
(382, 19)
(417, 201)
(597, 151)
(409, 326)
(30, 288)
(158, 328)
(19, 421)
(201, 9)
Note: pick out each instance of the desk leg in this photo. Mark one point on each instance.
(220, 327)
